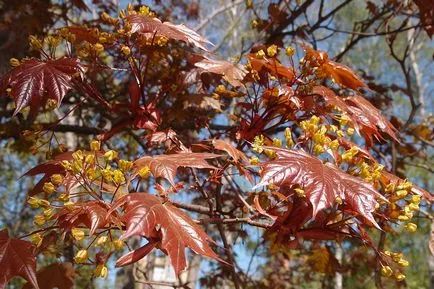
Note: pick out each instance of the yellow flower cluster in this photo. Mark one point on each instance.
(396, 257)
(370, 173)
(397, 193)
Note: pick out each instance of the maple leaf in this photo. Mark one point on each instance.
(165, 166)
(232, 73)
(153, 26)
(16, 259)
(48, 169)
(323, 183)
(343, 75)
(272, 65)
(35, 81)
(60, 276)
(230, 149)
(93, 214)
(136, 255)
(364, 116)
(145, 215)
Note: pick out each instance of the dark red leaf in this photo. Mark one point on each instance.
(60, 276)
(92, 214)
(232, 73)
(165, 166)
(230, 149)
(16, 259)
(323, 183)
(136, 255)
(35, 81)
(146, 215)
(153, 26)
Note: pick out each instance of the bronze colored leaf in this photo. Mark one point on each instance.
(16, 259)
(146, 215)
(165, 166)
(60, 276)
(232, 73)
(153, 26)
(35, 81)
(323, 183)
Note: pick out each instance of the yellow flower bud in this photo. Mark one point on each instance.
(56, 179)
(125, 50)
(77, 166)
(90, 159)
(118, 177)
(144, 172)
(107, 174)
(272, 50)
(403, 218)
(39, 220)
(77, 234)
(401, 193)
(339, 201)
(44, 203)
(67, 165)
(350, 131)
(101, 271)
(124, 165)
(260, 54)
(81, 256)
(318, 149)
(334, 144)
(33, 202)
(270, 153)
(78, 155)
(277, 142)
(254, 161)
(396, 256)
(63, 197)
(36, 239)
(403, 263)
(48, 188)
(258, 142)
(48, 213)
(91, 174)
(98, 47)
(411, 227)
(110, 155)
(14, 62)
(386, 271)
(95, 145)
(413, 207)
(415, 199)
(101, 240)
(118, 244)
(289, 51)
(300, 192)
(399, 277)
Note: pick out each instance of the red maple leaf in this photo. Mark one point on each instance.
(153, 26)
(165, 166)
(16, 259)
(271, 65)
(146, 215)
(323, 183)
(56, 275)
(48, 169)
(35, 81)
(232, 73)
(365, 117)
(92, 214)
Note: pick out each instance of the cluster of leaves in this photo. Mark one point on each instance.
(319, 184)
